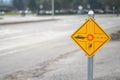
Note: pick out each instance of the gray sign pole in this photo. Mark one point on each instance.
(90, 60)
(53, 9)
(90, 68)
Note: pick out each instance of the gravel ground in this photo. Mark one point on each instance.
(114, 33)
(116, 76)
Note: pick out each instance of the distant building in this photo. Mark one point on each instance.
(6, 5)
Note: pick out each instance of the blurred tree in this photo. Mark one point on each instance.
(116, 3)
(18, 4)
(46, 4)
(25, 3)
(62, 4)
(40, 1)
(32, 5)
(76, 3)
(95, 4)
(57, 5)
(68, 4)
(110, 4)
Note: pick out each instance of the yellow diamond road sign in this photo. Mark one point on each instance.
(90, 37)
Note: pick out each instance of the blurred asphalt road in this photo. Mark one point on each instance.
(44, 50)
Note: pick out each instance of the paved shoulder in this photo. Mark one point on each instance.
(6, 20)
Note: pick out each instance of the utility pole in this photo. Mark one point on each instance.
(53, 8)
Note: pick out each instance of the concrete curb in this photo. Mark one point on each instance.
(29, 21)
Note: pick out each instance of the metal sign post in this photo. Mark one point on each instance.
(90, 60)
(90, 68)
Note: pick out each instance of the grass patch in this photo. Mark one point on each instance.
(13, 13)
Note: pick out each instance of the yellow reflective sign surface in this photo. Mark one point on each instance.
(90, 37)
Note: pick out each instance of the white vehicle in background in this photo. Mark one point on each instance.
(2, 12)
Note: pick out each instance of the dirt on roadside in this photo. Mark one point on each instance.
(115, 35)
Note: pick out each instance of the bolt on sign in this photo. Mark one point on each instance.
(90, 37)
